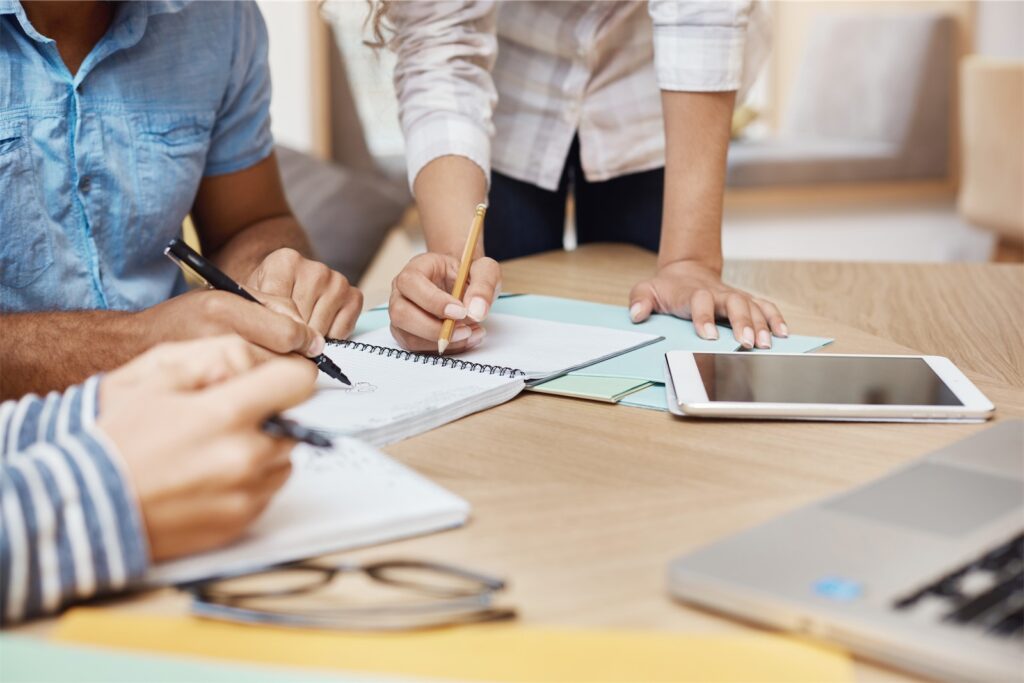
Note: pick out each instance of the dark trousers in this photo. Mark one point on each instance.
(524, 219)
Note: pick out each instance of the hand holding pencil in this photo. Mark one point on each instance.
(438, 300)
(448, 327)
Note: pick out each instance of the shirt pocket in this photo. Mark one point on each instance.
(171, 152)
(25, 245)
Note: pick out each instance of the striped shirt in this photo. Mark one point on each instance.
(510, 84)
(69, 525)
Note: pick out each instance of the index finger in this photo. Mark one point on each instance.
(484, 282)
(422, 291)
(263, 391)
(270, 329)
(193, 364)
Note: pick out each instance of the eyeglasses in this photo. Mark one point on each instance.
(412, 595)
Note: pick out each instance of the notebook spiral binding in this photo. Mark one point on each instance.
(427, 359)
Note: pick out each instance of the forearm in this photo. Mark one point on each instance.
(448, 190)
(42, 352)
(247, 248)
(697, 129)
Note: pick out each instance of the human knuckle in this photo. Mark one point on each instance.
(735, 299)
(286, 255)
(214, 304)
(404, 280)
(295, 334)
(337, 280)
(317, 272)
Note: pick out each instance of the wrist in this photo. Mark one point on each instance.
(713, 262)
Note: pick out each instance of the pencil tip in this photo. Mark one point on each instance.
(441, 346)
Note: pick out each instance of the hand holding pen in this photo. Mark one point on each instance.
(190, 423)
(193, 262)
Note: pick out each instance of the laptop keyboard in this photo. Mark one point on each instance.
(986, 594)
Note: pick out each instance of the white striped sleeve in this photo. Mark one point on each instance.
(69, 526)
(699, 44)
(446, 95)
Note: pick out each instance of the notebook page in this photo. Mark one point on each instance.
(347, 496)
(392, 398)
(539, 348)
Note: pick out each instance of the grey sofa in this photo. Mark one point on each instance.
(346, 212)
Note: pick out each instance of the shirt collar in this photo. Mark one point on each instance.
(151, 6)
(162, 6)
(130, 20)
(145, 8)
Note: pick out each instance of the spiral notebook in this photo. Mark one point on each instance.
(397, 394)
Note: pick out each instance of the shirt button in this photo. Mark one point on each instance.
(85, 184)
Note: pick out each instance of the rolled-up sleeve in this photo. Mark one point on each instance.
(69, 524)
(446, 95)
(699, 44)
(241, 132)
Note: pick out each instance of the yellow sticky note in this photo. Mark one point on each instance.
(502, 653)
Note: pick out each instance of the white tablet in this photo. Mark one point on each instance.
(821, 387)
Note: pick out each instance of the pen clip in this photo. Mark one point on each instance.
(188, 271)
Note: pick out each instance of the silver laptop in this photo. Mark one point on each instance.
(922, 569)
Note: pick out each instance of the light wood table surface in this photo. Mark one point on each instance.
(582, 505)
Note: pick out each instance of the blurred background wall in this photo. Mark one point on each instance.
(874, 133)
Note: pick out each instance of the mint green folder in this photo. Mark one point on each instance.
(647, 363)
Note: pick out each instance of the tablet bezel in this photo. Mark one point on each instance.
(688, 393)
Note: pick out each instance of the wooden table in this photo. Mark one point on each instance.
(582, 505)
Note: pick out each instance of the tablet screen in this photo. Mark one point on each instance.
(762, 378)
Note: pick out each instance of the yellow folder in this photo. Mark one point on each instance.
(502, 653)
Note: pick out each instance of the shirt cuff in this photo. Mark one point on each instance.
(699, 58)
(239, 163)
(445, 134)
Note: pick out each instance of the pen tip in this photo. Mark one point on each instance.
(442, 344)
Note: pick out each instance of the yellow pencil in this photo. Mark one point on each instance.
(460, 281)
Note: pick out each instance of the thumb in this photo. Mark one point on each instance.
(265, 390)
(641, 302)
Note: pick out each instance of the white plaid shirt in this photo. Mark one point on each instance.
(511, 83)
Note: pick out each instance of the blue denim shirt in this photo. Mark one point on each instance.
(98, 169)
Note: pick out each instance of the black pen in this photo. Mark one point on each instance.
(282, 427)
(187, 257)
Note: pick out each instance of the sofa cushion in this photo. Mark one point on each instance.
(346, 213)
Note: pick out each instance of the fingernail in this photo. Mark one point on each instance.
(478, 309)
(454, 312)
(783, 330)
(710, 331)
(475, 338)
(316, 347)
(764, 340)
(748, 337)
(461, 333)
(634, 311)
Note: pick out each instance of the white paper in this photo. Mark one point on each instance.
(392, 398)
(336, 499)
(538, 348)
